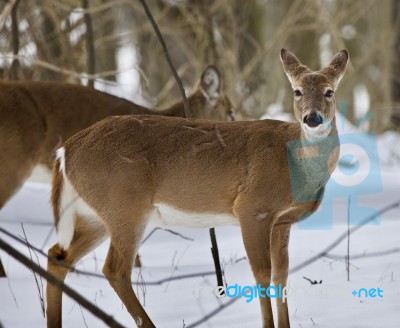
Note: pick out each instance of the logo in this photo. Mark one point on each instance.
(249, 293)
(357, 175)
(368, 293)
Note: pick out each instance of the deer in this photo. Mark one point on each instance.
(37, 116)
(112, 179)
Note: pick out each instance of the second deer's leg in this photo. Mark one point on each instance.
(87, 235)
(256, 238)
(12, 176)
(280, 263)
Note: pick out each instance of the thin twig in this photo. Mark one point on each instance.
(70, 73)
(141, 284)
(167, 57)
(40, 290)
(341, 259)
(11, 290)
(168, 230)
(178, 234)
(175, 267)
(313, 282)
(83, 317)
(31, 223)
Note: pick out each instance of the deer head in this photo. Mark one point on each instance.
(314, 101)
(211, 96)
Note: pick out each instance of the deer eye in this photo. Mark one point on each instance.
(329, 93)
(297, 93)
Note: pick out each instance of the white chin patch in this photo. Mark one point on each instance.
(319, 131)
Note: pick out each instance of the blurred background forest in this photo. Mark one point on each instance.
(110, 44)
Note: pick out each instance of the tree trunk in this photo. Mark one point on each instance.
(396, 66)
(15, 41)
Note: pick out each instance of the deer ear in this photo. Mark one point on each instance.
(210, 82)
(336, 69)
(292, 66)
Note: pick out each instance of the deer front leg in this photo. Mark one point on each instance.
(256, 238)
(280, 264)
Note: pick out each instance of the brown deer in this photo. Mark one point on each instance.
(114, 177)
(36, 117)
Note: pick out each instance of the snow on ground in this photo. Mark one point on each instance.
(329, 304)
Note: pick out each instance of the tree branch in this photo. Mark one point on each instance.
(107, 319)
(6, 12)
(15, 41)
(89, 35)
(167, 57)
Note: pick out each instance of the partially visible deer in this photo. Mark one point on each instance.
(36, 117)
(114, 177)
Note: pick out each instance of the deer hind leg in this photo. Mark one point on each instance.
(124, 244)
(256, 238)
(280, 264)
(87, 235)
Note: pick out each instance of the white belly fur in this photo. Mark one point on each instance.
(168, 216)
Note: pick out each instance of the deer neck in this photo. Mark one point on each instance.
(176, 110)
(311, 162)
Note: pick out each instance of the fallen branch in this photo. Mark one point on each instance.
(100, 276)
(312, 282)
(107, 319)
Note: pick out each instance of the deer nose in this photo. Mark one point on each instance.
(313, 120)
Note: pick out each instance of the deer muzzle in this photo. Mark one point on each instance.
(313, 120)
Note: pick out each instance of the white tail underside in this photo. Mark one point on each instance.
(71, 204)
